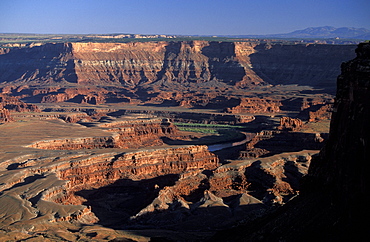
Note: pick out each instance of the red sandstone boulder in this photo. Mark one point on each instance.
(290, 124)
(256, 105)
(5, 115)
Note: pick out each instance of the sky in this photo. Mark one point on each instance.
(179, 17)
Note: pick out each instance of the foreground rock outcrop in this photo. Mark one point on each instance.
(53, 188)
(333, 201)
(205, 201)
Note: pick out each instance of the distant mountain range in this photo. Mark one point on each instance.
(328, 32)
(324, 32)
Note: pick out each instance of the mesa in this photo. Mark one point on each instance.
(158, 139)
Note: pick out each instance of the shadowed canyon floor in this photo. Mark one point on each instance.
(157, 140)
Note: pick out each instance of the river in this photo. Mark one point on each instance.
(216, 147)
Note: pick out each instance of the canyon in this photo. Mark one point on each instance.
(192, 74)
(171, 140)
(132, 179)
(332, 202)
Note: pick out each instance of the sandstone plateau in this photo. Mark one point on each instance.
(175, 140)
(201, 74)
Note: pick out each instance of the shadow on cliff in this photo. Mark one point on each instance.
(172, 51)
(199, 218)
(334, 196)
(259, 180)
(116, 203)
(306, 65)
(222, 65)
(290, 142)
(49, 62)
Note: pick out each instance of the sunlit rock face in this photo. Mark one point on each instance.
(111, 175)
(183, 73)
(115, 182)
(126, 135)
(10, 104)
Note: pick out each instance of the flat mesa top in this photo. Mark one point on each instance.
(15, 136)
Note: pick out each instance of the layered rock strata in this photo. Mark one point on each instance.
(215, 200)
(10, 104)
(163, 72)
(333, 200)
(127, 134)
(268, 142)
(36, 178)
(255, 105)
(42, 189)
(290, 124)
(132, 64)
(13, 104)
(5, 115)
(102, 171)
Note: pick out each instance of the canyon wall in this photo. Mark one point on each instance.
(45, 64)
(163, 72)
(333, 200)
(10, 104)
(339, 167)
(313, 65)
(126, 135)
(46, 180)
(103, 170)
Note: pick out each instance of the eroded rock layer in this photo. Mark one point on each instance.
(5, 115)
(126, 134)
(100, 171)
(10, 104)
(205, 200)
(184, 73)
(333, 201)
(81, 172)
(13, 104)
(290, 124)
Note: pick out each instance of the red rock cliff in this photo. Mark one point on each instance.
(12, 104)
(164, 71)
(126, 135)
(334, 201)
(102, 170)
